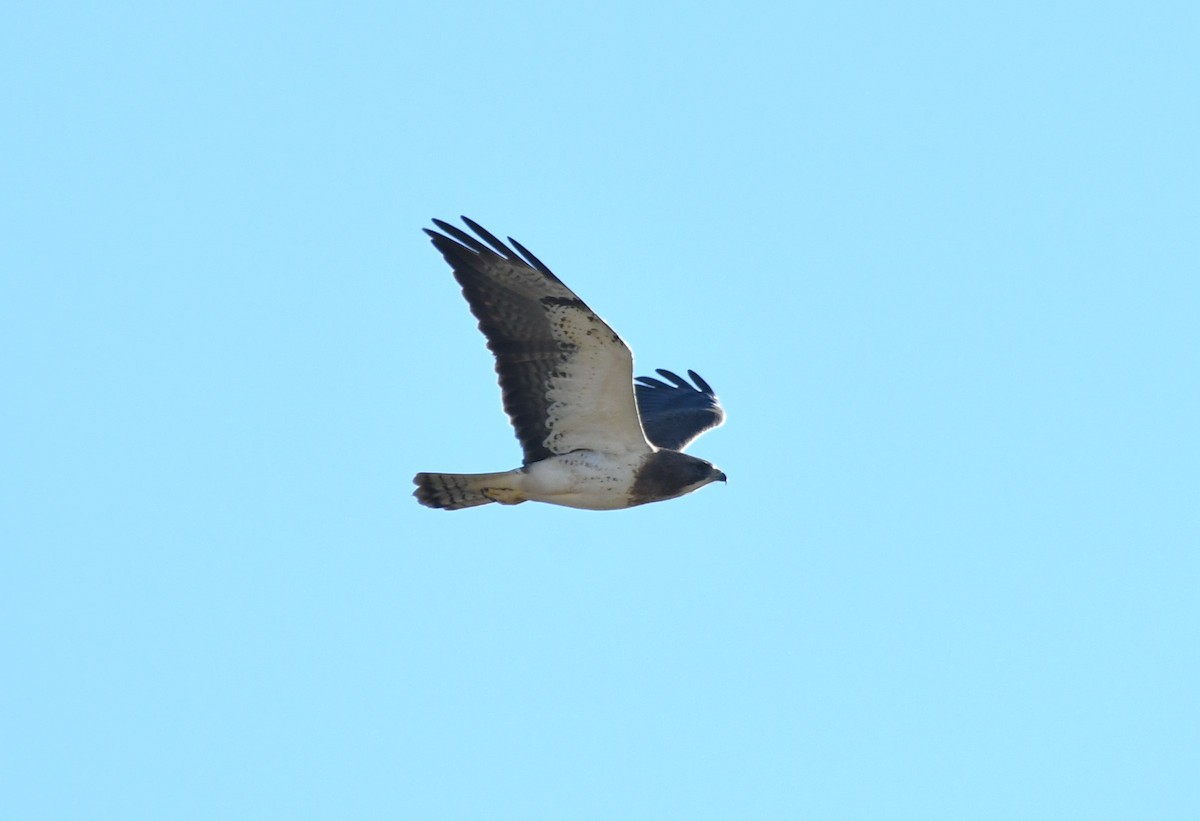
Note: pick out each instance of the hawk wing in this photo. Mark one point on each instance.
(674, 415)
(565, 376)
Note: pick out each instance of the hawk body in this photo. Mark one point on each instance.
(585, 479)
(566, 380)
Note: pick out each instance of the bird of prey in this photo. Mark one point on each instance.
(566, 380)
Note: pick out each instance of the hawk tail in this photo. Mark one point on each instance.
(454, 491)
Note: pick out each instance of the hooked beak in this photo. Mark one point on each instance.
(719, 476)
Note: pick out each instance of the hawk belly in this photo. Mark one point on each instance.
(583, 478)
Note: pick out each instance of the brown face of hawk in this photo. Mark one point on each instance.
(666, 474)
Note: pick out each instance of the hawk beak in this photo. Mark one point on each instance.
(719, 476)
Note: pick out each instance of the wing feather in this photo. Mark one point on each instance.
(673, 415)
(566, 378)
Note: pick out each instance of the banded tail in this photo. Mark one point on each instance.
(455, 491)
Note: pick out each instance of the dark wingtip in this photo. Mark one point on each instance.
(678, 380)
(532, 260)
(490, 244)
(701, 384)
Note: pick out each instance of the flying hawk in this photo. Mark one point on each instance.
(567, 384)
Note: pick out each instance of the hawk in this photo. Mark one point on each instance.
(566, 378)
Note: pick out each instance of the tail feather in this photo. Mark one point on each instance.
(455, 491)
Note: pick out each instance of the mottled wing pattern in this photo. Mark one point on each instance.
(565, 376)
(673, 415)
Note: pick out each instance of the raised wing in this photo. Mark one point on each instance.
(674, 415)
(565, 376)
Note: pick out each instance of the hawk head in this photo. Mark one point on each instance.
(666, 474)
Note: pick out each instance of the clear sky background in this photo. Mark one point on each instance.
(939, 259)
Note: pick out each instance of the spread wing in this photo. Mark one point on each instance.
(674, 415)
(565, 376)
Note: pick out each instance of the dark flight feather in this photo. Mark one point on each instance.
(675, 414)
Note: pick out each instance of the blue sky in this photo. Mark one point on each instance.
(939, 260)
